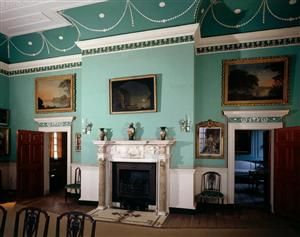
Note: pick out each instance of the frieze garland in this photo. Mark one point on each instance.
(255, 119)
(55, 124)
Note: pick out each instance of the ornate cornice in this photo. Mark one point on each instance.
(255, 116)
(54, 121)
(139, 45)
(147, 39)
(253, 40)
(38, 66)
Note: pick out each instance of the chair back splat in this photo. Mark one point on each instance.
(31, 222)
(3, 214)
(75, 224)
(210, 188)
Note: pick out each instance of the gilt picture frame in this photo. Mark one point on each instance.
(209, 139)
(55, 94)
(133, 94)
(4, 141)
(255, 81)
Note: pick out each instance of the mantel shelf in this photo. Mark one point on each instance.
(135, 142)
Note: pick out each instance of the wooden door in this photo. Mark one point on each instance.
(30, 165)
(287, 172)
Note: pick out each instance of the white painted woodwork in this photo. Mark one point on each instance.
(232, 126)
(89, 181)
(182, 188)
(55, 125)
(143, 151)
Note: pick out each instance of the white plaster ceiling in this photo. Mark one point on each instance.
(18, 17)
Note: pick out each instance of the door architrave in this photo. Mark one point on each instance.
(251, 120)
(56, 124)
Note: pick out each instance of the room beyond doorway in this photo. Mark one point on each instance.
(57, 161)
(252, 168)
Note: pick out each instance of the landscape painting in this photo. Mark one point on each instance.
(257, 81)
(55, 94)
(133, 94)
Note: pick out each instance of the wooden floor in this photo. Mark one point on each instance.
(208, 217)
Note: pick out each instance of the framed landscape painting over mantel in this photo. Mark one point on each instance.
(132, 94)
(55, 93)
(255, 81)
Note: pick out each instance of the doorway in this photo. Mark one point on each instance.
(57, 161)
(55, 124)
(251, 120)
(252, 167)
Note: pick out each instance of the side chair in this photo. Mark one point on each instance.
(31, 218)
(74, 188)
(210, 189)
(75, 223)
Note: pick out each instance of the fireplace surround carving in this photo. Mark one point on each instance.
(144, 151)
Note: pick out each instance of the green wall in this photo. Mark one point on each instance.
(186, 85)
(22, 107)
(3, 91)
(3, 99)
(208, 89)
(174, 66)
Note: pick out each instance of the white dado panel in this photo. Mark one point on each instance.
(224, 176)
(89, 182)
(182, 188)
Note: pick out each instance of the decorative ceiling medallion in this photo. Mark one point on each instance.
(237, 11)
(162, 4)
(101, 15)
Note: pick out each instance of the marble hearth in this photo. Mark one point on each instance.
(144, 151)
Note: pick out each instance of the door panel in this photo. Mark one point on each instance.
(286, 172)
(30, 165)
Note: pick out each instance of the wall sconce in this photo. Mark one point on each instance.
(86, 126)
(185, 124)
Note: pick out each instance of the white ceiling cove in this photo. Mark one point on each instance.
(19, 17)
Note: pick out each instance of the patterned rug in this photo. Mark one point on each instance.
(128, 217)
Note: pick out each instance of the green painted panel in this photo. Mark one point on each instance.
(48, 44)
(3, 48)
(4, 104)
(174, 67)
(4, 91)
(21, 104)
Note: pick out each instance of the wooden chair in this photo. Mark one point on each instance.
(31, 218)
(75, 222)
(3, 214)
(210, 189)
(74, 188)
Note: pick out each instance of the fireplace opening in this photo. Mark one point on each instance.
(134, 185)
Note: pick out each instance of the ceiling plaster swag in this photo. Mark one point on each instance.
(200, 13)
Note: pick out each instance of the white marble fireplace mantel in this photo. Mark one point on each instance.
(143, 151)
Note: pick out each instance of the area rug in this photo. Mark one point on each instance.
(128, 217)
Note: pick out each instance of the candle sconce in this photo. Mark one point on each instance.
(185, 124)
(86, 126)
